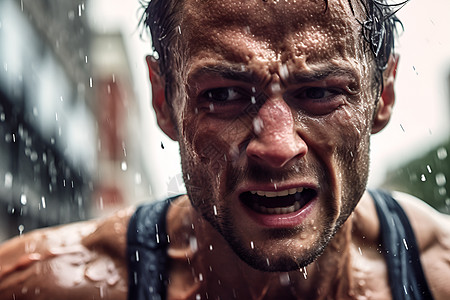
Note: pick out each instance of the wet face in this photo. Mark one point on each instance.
(274, 114)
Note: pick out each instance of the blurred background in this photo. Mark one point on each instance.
(78, 138)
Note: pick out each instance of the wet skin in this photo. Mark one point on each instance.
(277, 96)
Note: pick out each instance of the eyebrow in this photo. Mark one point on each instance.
(320, 74)
(239, 73)
(231, 72)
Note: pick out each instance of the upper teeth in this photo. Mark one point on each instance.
(278, 193)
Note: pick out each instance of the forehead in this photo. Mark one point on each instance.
(270, 30)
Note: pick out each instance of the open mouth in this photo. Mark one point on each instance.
(278, 202)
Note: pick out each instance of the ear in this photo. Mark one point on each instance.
(159, 101)
(387, 99)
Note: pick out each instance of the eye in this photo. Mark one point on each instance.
(317, 93)
(222, 94)
(317, 100)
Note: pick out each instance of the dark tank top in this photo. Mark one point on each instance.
(147, 244)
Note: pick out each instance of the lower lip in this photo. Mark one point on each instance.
(282, 220)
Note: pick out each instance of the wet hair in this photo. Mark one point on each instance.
(161, 18)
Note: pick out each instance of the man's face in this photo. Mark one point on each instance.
(274, 116)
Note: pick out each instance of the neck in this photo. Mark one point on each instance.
(212, 267)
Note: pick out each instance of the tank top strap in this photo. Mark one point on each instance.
(147, 243)
(406, 277)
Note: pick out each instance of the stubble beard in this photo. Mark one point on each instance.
(204, 197)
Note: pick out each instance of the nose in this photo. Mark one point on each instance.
(276, 140)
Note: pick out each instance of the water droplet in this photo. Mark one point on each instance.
(406, 245)
(210, 247)
(44, 205)
(124, 166)
(8, 180)
(137, 255)
(215, 210)
(23, 199)
(442, 153)
(193, 243)
(429, 169)
(284, 279)
(211, 107)
(258, 125)
(253, 99)
(162, 145)
(252, 245)
(21, 229)
(441, 180)
(200, 277)
(198, 297)
(423, 178)
(267, 261)
(305, 274)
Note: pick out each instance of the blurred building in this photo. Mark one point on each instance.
(68, 121)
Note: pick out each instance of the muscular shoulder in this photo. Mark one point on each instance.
(432, 231)
(84, 260)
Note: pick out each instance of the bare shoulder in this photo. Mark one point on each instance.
(84, 260)
(432, 231)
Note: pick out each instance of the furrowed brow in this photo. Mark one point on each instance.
(221, 71)
(321, 74)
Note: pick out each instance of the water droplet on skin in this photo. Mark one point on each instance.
(252, 245)
(210, 247)
(305, 274)
(258, 125)
(124, 166)
(423, 178)
(215, 210)
(267, 261)
(198, 297)
(200, 276)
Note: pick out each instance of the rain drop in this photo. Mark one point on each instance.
(442, 153)
(252, 245)
(21, 229)
(124, 166)
(215, 210)
(8, 180)
(284, 279)
(441, 180)
(258, 125)
(429, 169)
(23, 199)
(423, 178)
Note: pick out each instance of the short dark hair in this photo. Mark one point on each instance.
(160, 17)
